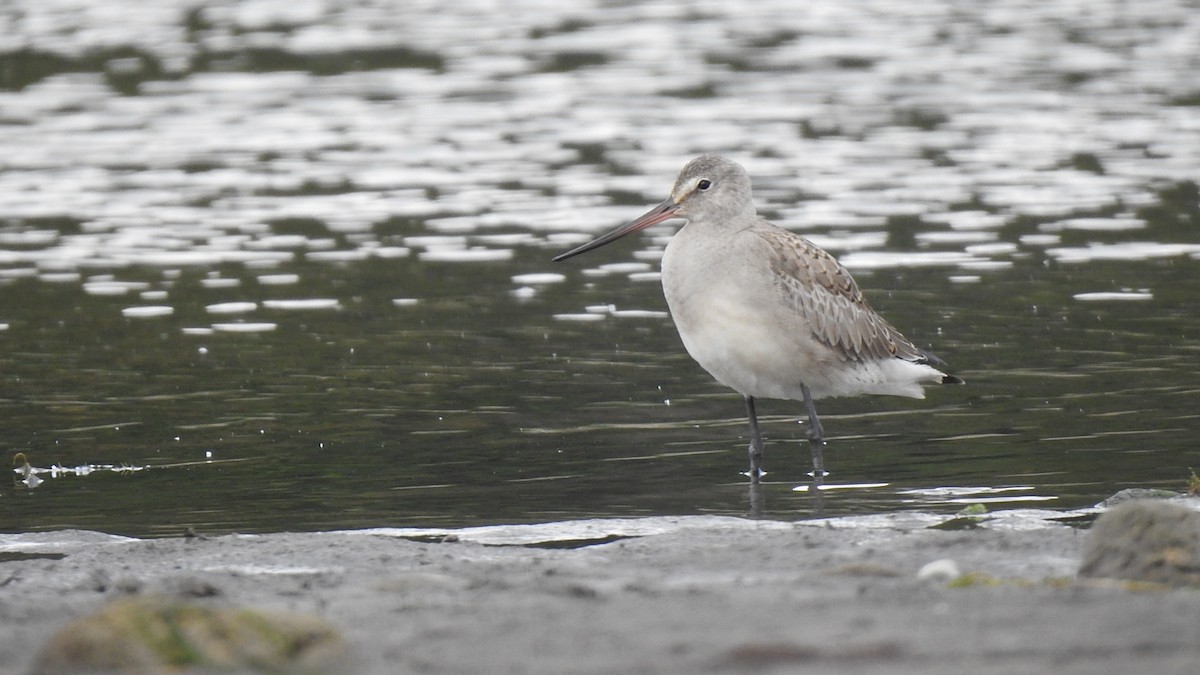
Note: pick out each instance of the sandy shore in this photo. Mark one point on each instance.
(657, 595)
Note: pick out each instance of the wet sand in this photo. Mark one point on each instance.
(657, 595)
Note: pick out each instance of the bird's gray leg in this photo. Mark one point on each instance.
(756, 443)
(816, 437)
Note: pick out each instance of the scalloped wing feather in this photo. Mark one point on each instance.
(818, 287)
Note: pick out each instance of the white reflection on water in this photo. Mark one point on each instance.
(215, 282)
(890, 259)
(476, 254)
(110, 287)
(303, 303)
(539, 278)
(880, 92)
(245, 327)
(1100, 296)
(148, 311)
(1116, 224)
(231, 307)
(1124, 251)
(840, 486)
(285, 279)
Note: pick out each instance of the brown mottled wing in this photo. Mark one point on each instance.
(817, 285)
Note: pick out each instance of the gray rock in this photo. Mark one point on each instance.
(1145, 540)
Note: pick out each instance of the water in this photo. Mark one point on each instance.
(286, 265)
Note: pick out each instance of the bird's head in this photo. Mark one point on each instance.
(709, 189)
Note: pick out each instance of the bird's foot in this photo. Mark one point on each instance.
(818, 459)
(755, 474)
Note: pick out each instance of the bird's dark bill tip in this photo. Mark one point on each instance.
(952, 379)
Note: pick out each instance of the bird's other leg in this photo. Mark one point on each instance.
(756, 443)
(816, 437)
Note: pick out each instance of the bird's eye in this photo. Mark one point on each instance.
(704, 184)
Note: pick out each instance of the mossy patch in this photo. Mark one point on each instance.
(152, 634)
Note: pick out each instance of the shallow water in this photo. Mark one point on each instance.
(286, 266)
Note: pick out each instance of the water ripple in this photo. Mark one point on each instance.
(340, 207)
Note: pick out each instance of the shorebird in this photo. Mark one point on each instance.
(768, 313)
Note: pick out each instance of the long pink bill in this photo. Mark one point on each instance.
(656, 215)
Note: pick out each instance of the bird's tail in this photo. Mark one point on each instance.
(931, 359)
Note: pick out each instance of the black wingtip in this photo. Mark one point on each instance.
(931, 359)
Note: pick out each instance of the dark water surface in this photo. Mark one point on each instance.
(286, 266)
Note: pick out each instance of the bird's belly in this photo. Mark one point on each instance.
(729, 340)
(764, 357)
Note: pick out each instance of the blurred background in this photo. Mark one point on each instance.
(286, 265)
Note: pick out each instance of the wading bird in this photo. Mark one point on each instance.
(768, 313)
